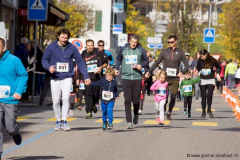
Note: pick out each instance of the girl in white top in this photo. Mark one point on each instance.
(237, 80)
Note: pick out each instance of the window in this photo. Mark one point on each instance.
(98, 21)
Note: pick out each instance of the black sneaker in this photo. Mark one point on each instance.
(210, 114)
(135, 119)
(89, 116)
(168, 116)
(110, 125)
(40, 102)
(17, 139)
(203, 115)
(94, 109)
(104, 126)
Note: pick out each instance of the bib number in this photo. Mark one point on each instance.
(106, 95)
(131, 59)
(104, 69)
(4, 91)
(81, 86)
(62, 67)
(91, 68)
(171, 72)
(143, 71)
(71, 88)
(161, 91)
(187, 88)
(206, 71)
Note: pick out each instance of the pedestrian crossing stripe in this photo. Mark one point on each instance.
(154, 122)
(114, 121)
(199, 109)
(22, 118)
(55, 119)
(205, 124)
(175, 109)
(37, 5)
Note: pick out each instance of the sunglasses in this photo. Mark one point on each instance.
(170, 42)
(101, 45)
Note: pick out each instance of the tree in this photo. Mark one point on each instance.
(81, 19)
(229, 29)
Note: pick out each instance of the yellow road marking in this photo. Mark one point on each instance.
(114, 121)
(204, 124)
(55, 119)
(22, 118)
(175, 109)
(154, 122)
(200, 109)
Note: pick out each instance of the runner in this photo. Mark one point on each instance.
(58, 59)
(133, 58)
(172, 58)
(195, 75)
(207, 83)
(13, 84)
(237, 80)
(109, 54)
(95, 62)
(230, 72)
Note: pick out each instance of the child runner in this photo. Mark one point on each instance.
(187, 91)
(160, 97)
(109, 94)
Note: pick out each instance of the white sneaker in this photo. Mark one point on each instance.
(196, 101)
(68, 115)
(71, 112)
(140, 112)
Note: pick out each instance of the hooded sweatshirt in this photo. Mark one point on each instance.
(13, 78)
(129, 57)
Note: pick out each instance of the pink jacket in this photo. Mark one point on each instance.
(162, 92)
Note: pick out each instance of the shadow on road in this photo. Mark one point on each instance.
(85, 128)
(35, 157)
(228, 129)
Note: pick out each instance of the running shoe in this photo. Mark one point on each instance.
(104, 126)
(189, 115)
(110, 125)
(17, 139)
(80, 108)
(184, 112)
(98, 107)
(210, 114)
(129, 125)
(71, 112)
(168, 117)
(66, 126)
(161, 122)
(139, 112)
(196, 101)
(157, 120)
(89, 116)
(94, 109)
(57, 126)
(203, 115)
(135, 119)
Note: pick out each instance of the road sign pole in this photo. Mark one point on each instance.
(155, 27)
(209, 26)
(34, 64)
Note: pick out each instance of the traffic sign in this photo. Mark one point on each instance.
(77, 43)
(161, 26)
(122, 39)
(159, 35)
(117, 29)
(37, 10)
(209, 35)
(162, 30)
(154, 40)
(157, 46)
(162, 22)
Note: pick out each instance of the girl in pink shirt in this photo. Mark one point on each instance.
(160, 86)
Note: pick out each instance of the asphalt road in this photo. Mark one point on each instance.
(179, 139)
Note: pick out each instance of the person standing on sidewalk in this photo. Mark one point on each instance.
(133, 58)
(58, 59)
(172, 58)
(207, 84)
(230, 72)
(13, 84)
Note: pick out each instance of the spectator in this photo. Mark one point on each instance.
(22, 52)
(230, 71)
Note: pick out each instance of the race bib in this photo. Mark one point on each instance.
(171, 72)
(187, 88)
(4, 91)
(131, 59)
(71, 88)
(206, 71)
(91, 68)
(104, 69)
(81, 86)
(161, 91)
(107, 96)
(143, 71)
(62, 67)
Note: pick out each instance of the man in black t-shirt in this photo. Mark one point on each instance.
(95, 62)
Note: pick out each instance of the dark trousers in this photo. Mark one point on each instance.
(173, 89)
(206, 96)
(132, 90)
(81, 93)
(91, 96)
(45, 88)
(30, 83)
(149, 84)
(187, 103)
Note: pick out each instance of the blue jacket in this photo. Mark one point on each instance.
(110, 57)
(22, 53)
(54, 54)
(14, 75)
(105, 87)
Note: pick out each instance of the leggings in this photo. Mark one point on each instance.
(206, 96)
(187, 103)
(81, 93)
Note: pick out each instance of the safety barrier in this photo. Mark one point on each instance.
(233, 101)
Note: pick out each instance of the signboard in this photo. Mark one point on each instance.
(118, 8)
(117, 29)
(37, 10)
(209, 35)
(154, 40)
(79, 43)
(156, 46)
(159, 35)
(122, 39)
(161, 30)
(162, 22)
(3, 32)
(216, 56)
(161, 26)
